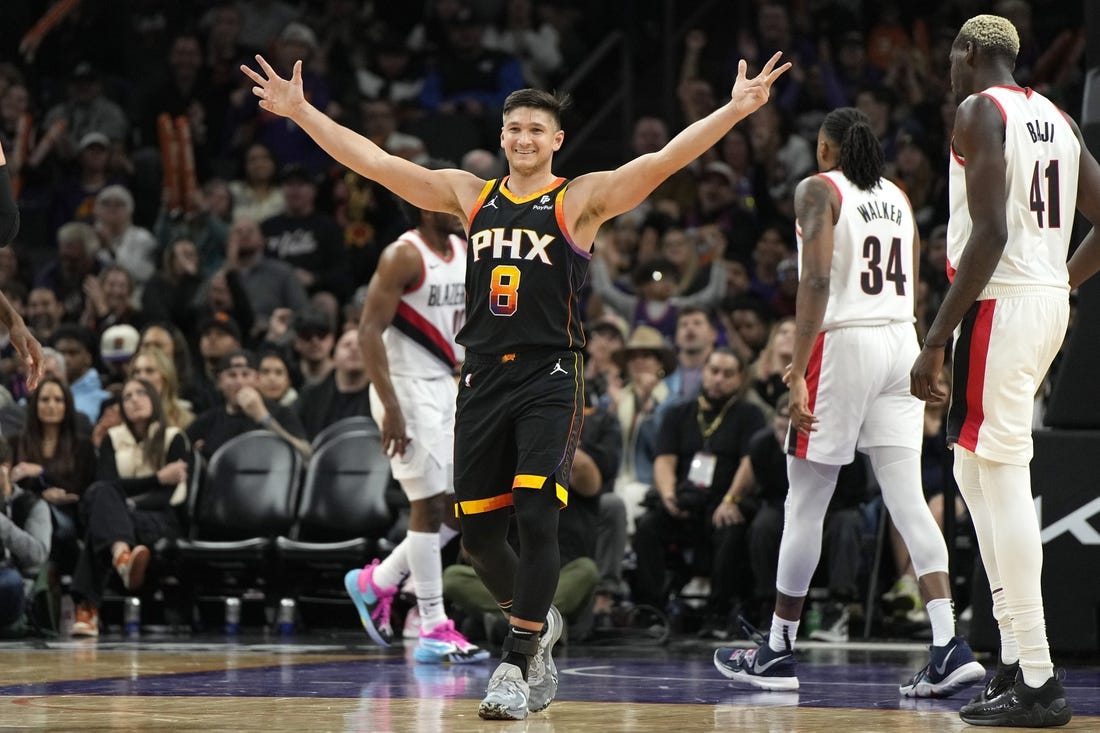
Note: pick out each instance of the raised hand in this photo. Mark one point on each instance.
(750, 95)
(277, 95)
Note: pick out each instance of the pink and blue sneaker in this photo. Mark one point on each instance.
(444, 645)
(372, 603)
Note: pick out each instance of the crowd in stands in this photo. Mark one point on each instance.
(198, 264)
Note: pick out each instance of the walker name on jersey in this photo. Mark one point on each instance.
(1041, 132)
(449, 294)
(510, 244)
(876, 210)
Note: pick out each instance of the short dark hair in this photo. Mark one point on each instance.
(81, 334)
(691, 310)
(727, 351)
(556, 103)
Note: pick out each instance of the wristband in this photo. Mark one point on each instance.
(727, 499)
(266, 420)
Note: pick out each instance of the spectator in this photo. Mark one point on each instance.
(379, 124)
(341, 394)
(244, 410)
(87, 110)
(155, 367)
(605, 336)
(44, 313)
(77, 245)
(766, 373)
(141, 480)
(204, 223)
(169, 339)
(657, 300)
(109, 300)
(519, 33)
(130, 247)
(269, 283)
(394, 73)
(74, 193)
(117, 346)
(218, 336)
(309, 241)
(313, 342)
(747, 323)
(275, 382)
(25, 535)
(699, 447)
(467, 78)
(257, 196)
(696, 337)
(644, 361)
(79, 346)
(171, 292)
(54, 459)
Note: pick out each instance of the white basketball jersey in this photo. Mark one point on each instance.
(1042, 155)
(871, 280)
(421, 340)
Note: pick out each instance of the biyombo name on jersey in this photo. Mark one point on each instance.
(509, 244)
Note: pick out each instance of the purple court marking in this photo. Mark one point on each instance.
(673, 678)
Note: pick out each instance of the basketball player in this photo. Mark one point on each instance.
(415, 305)
(1018, 170)
(25, 345)
(521, 391)
(849, 389)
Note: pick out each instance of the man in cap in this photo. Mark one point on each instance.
(244, 409)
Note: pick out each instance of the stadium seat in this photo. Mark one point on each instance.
(356, 422)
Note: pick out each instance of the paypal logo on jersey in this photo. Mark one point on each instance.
(509, 244)
(544, 204)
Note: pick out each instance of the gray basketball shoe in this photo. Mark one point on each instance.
(542, 674)
(506, 696)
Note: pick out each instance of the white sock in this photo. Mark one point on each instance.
(395, 568)
(783, 634)
(941, 612)
(427, 573)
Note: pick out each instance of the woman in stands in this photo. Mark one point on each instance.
(156, 368)
(141, 481)
(51, 459)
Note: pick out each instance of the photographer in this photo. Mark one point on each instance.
(699, 446)
(25, 531)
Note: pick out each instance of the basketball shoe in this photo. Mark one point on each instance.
(372, 603)
(950, 668)
(1000, 683)
(1023, 706)
(542, 673)
(762, 667)
(507, 695)
(444, 645)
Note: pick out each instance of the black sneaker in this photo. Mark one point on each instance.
(1023, 706)
(1000, 683)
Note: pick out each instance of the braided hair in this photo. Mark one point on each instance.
(860, 152)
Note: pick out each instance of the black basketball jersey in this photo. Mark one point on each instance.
(523, 273)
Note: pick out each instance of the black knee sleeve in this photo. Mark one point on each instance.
(539, 558)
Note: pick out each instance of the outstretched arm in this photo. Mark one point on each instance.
(979, 138)
(452, 191)
(606, 194)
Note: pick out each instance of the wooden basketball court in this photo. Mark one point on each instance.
(338, 681)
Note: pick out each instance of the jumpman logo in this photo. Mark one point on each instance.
(491, 204)
(558, 368)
